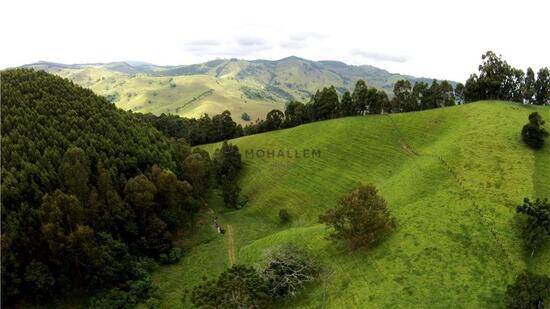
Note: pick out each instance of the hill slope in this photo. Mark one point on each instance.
(452, 178)
(254, 87)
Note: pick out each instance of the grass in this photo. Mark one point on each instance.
(188, 96)
(452, 178)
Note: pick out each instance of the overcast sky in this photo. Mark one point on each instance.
(440, 39)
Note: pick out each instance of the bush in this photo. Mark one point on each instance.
(536, 228)
(284, 216)
(137, 291)
(528, 291)
(245, 117)
(362, 218)
(288, 269)
(237, 287)
(173, 256)
(533, 133)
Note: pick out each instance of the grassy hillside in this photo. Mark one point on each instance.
(254, 87)
(452, 178)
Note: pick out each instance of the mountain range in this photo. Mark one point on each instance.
(241, 86)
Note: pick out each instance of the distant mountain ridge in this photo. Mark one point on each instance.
(251, 86)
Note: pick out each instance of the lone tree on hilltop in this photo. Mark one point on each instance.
(362, 218)
(534, 133)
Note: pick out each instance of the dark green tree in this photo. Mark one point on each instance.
(273, 120)
(529, 87)
(459, 93)
(237, 287)
(536, 228)
(542, 87)
(361, 218)
(528, 291)
(402, 96)
(359, 97)
(346, 106)
(74, 171)
(533, 133)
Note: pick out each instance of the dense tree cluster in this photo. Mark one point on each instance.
(199, 131)
(324, 104)
(88, 192)
(497, 80)
(533, 133)
(227, 164)
(361, 218)
(422, 96)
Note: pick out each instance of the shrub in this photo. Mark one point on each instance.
(528, 291)
(284, 216)
(173, 256)
(533, 133)
(237, 287)
(536, 228)
(137, 291)
(362, 218)
(245, 117)
(288, 269)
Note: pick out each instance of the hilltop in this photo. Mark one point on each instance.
(254, 87)
(452, 178)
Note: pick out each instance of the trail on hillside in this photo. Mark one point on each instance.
(460, 183)
(231, 245)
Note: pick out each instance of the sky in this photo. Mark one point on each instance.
(436, 39)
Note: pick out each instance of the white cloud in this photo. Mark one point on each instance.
(430, 38)
(378, 56)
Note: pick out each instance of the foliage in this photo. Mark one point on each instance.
(536, 227)
(533, 133)
(362, 218)
(227, 162)
(497, 80)
(528, 291)
(237, 287)
(284, 216)
(173, 256)
(133, 293)
(87, 190)
(245, 117)
(287, 269)
(203, 130)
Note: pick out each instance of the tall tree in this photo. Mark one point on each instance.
(459, 93)
(346, 105)
(402, 95)
(359, 97)
(542, 87)
(74, 171)
(529, 87)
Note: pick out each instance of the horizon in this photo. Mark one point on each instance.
(438, 40)
(129, 62)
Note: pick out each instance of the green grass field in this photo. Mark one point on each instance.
(452, 178)
(188, 96)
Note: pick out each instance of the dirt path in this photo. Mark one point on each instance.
(231, 245)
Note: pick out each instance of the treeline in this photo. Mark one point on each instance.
(325, 104)
(90, 196)
(497, 80)
(203, 130)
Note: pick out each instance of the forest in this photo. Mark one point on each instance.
(91, 195)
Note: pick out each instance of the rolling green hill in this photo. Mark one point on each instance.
(452, 178)
(254, 87)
